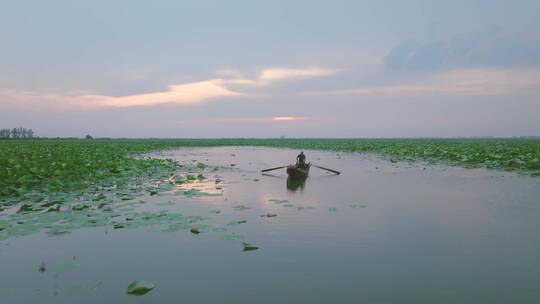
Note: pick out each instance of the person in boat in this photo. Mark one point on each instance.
(301, 159)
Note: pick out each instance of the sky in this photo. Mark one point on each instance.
(187, 69)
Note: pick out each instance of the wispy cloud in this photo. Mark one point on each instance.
(178, 94)
(464, 82)
(269, 76)
(187, 93)
(242, 120)
(248, 120)
(490, 47)
(281, 74)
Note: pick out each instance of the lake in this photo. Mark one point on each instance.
(380, 232)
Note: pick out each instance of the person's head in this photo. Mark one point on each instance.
(301, 152)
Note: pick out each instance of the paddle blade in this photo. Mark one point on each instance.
(333, 171)
(271, 169)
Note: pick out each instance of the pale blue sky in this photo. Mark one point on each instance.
(229, 68)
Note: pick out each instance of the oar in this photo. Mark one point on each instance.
(333, 171)
(271, 169)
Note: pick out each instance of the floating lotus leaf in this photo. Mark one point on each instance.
(249, 247)
(357, 206)
(140, 287)
(240, 208)
(194, 192)
(64, 267)
(234, 223)
(177, 227)
(233, 237)
(84, 287)
(56, 231)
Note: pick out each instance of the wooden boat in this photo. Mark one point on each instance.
(296, 171)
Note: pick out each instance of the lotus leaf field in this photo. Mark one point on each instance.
(139, 207)
(47, 166)
(55, 186)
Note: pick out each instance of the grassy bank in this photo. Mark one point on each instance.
(60, 165)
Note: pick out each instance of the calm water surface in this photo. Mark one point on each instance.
(377, 233)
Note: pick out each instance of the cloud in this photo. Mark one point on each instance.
(269, 76)
(233, 120)
(280, 74)
(179, 94)
(492, 47)
(187, 93)
(251, 120)
(462, 82)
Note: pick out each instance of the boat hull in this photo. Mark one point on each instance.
(295, 171)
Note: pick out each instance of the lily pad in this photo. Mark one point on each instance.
(56, 231)
(84, 287)
(357, 206)
(140, 287)
(233, 237)
(176, 227)
(195, 192)
(240, 208)
(64, 267)
(168, 203)
(249, 247)
(234, 223)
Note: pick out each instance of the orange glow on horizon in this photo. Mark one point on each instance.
(288, 118)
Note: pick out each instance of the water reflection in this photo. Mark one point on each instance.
(296, 183)
(201, 186)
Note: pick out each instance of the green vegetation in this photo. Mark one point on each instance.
(512, 154)
(58, 186)
(249, 246)
(522, 155)
(60, 165)
(55, 187)
(140, 287)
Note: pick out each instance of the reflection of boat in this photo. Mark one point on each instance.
(295, 183)
(298, 171)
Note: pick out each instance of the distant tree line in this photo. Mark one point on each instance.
(16, 133)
